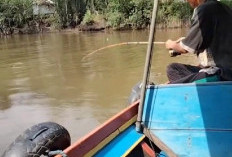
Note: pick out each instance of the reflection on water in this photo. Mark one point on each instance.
(43, 78)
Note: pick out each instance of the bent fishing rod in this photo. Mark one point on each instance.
(120, 44)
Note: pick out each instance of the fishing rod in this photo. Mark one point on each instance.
(124, 43)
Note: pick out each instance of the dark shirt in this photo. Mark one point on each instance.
(211, 29)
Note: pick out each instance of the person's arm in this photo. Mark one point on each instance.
(175, 45)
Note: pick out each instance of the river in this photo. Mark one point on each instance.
(44, 77)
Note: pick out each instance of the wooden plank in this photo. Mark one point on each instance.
(195, 143)
(159, 143)
(147, 149)
(134, 145)
(123, 144)
(192, 107)
(111, 137)
(190, 120)
(91, 140)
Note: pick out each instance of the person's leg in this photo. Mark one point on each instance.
(177, 71)
(193, 77)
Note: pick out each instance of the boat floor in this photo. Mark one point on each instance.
(190, 120)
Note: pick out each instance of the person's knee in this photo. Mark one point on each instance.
(171, 67)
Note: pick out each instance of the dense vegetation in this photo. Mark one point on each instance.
(16, 15)
(119, 14)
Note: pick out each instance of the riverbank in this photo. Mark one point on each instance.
(37, 29)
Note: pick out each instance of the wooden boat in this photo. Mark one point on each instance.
(178, 120)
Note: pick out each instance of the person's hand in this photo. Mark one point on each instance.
(180, 39)
(175, 46)
(169, 44)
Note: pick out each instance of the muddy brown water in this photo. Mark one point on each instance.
(44, 78)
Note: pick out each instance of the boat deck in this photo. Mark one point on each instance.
(190, 120)
(122, 144)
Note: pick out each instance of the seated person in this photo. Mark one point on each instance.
(210, 32)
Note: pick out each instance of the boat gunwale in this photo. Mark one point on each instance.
(92, 139)
(189, 84)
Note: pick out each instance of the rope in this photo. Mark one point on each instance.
(57, 152)
(119, 44)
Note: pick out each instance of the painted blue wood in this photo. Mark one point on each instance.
(119, 145)
(192, 119)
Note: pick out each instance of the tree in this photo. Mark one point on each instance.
(14, 13)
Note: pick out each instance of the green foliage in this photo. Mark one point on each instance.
(115, 20)
(53, 21)
(88, 18)
(128, 13)
(227, 2)
(100, 6)
(137, 13)
(70, 12)
(140, 14)
(14, 13)
(170, 10)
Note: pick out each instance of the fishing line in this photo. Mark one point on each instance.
(119, 44)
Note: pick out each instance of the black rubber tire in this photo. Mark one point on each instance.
(39, 140)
